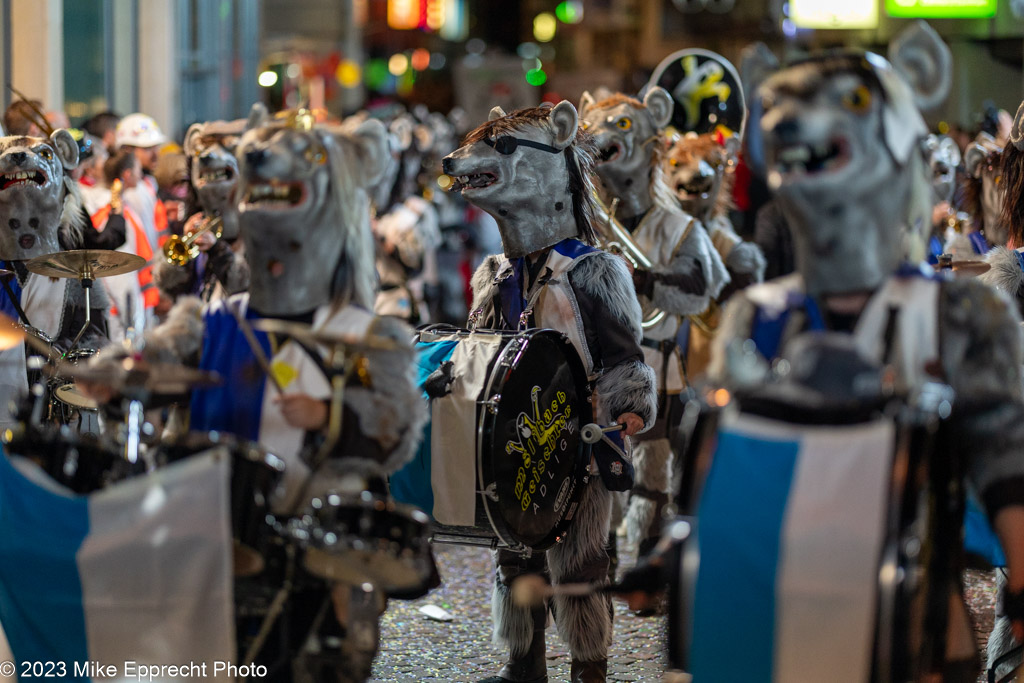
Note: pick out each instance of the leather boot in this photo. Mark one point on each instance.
(589, 672)
(532, 667)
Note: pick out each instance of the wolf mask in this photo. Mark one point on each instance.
(304, 213)
(36, 194)
(840, 141)
(211, 149)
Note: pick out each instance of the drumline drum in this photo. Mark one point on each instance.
(67, 401)
(502, 463)
(255, 474)
(800, 565)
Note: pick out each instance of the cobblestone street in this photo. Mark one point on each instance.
(416, 648)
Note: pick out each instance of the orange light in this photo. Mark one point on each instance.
(404, 14)
(10, 334)
(435, 14)
(721, 397)
(420, 59)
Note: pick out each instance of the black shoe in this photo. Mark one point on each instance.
(589, 672)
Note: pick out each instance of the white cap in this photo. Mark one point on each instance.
(139, 130)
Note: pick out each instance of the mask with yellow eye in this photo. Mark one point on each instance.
(625, 123)
(858, 100)
(315, 154)
(46, 153)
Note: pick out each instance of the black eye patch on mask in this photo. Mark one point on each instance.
(506, 144)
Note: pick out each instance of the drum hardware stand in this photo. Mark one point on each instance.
(85, 277)
(275, 609)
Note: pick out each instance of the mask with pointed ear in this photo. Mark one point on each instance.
(925, 62)
(66, 147)
(659, 103)
(565, 121)
(192, 135)
(496, 113)
(258, 116)
(586, 101)
(372, 151)
(1017, 129)
(974, 160)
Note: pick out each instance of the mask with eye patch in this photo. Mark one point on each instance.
(37, 195)
(304, 212)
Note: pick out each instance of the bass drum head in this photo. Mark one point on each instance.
(530, 455)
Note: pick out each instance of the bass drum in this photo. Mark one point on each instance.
(516, 401)
(827, 547)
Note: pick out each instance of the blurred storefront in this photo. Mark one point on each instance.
(188, 60)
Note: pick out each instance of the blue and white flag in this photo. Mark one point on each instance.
(139, 571)
(790, 531)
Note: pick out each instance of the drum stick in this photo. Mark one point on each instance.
(257, 350)
(531, 590)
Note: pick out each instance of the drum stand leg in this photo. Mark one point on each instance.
(274, 611)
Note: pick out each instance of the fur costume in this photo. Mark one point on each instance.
(876, 184)
(40, 207)
(687, 272)
(305, 222)
(213, 172)
(531, 171)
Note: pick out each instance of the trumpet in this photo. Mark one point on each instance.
(178, 251)
(617, 240)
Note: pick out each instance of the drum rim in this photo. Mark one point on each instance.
(485, 429)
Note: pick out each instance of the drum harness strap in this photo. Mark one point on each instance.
(665, 347)
(14, 299)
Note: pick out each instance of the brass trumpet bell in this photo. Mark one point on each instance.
(178, 250)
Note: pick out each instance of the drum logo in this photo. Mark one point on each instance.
(539, 438)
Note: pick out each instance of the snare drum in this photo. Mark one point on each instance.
(502, 463)
(66, 397)
(365, 538)
(824, 546)
(254, 476)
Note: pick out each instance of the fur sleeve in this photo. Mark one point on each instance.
(1005, 274)
(605, 277)
(697, 247)
(982, 353)
(630, 385)
(180, 337)
(392, 411)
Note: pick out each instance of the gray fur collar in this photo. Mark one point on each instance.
(1005, 274)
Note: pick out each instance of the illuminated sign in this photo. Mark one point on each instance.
(835, 13)
(941, 8)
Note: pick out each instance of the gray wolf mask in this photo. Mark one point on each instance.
(840, 138)
(211, 149)
(530, 170)
(304, 214)
(36, 195)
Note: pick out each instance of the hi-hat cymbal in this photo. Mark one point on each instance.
(85, 263)
(307, 335)
(128, 373)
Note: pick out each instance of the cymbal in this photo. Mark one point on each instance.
(129, 373)
(307, 335)
(85, 263)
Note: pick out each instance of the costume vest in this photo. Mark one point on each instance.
(245, 404)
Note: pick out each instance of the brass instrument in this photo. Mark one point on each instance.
(116, 205)
(617, 240)
(178, 251)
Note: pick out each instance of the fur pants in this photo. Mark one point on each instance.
(585, 623)
(652, 462)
